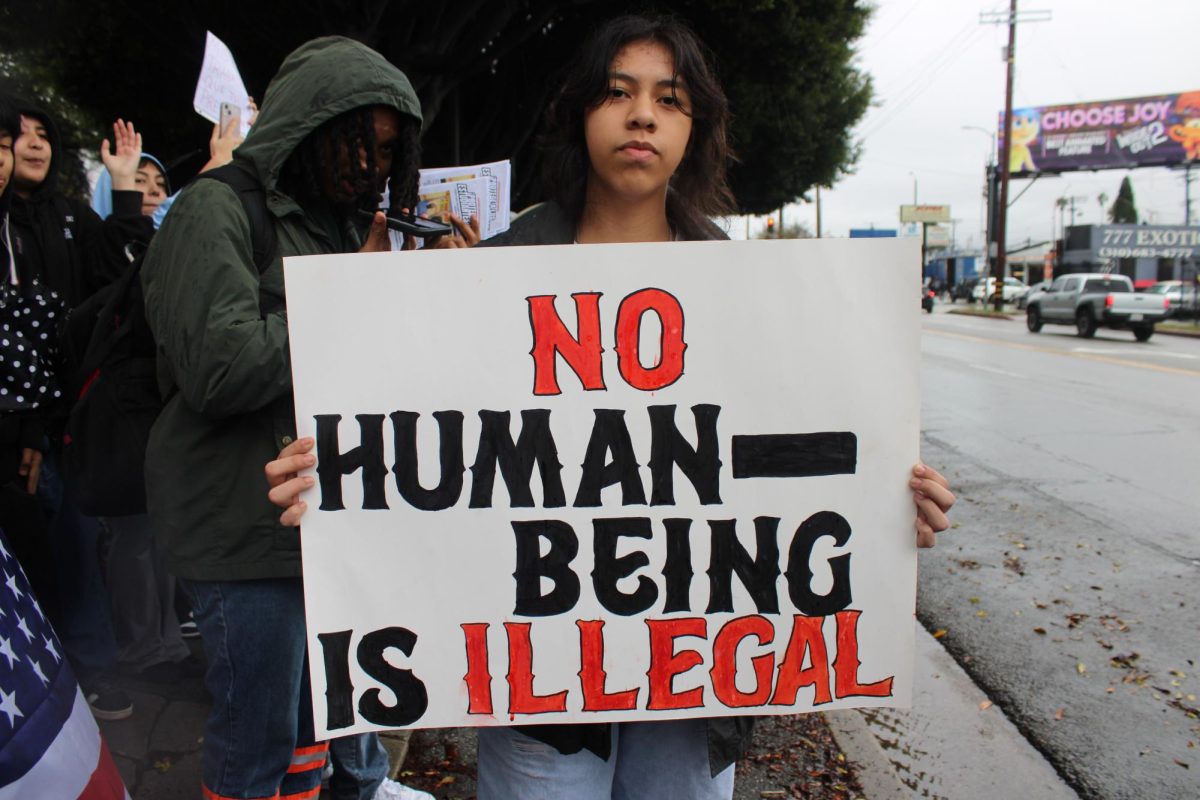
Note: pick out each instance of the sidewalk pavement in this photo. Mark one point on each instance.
(952, 744)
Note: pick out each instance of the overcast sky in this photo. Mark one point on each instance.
(936, 68)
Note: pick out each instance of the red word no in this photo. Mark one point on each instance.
(582, 350)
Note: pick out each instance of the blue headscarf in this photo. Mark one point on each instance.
(102, 195)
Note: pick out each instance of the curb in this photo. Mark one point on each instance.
(952, 743)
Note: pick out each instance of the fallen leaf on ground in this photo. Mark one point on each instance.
(1183, 764)
(446, 781)
(985, 705)
(939, 633)
(1040, 631)
(1081, 668)
(1058, 715)
(1125, 661)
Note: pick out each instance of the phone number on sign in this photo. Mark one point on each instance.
(1145, 252)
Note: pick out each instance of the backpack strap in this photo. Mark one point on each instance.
(254, 202)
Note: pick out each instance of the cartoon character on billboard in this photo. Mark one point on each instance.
(1187, 133)
(1025, 129)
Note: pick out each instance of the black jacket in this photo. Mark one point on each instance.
(728, 737)
(62, 242)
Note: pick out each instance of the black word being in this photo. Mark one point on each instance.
(609, 459)
(728, 557)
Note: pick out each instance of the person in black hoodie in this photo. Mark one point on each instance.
(21, 431)
(62, 249)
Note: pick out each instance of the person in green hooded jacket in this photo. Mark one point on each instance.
(337, 126)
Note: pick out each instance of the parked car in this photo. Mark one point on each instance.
(1034, 291)
(1183, 299)
(1010, 290)
(1090, 299)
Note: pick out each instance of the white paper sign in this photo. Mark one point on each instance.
(220, 82)
(439, 182)
(607, 482)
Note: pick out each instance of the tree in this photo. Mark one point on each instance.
(1123, 210)
(484, 70)
(791, 230)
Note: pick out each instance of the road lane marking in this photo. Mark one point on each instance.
(1122, 352)
(1085, 356)
(998, 371)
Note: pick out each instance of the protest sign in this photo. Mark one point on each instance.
(607, 482)
(220, 82)
(455, 188)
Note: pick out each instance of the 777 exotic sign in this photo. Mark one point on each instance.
(610, 482)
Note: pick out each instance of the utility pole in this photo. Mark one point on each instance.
(818, 190)
(1010, 57)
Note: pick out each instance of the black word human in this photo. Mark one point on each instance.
(608, 460)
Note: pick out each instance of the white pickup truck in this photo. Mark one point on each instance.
(1088, 300)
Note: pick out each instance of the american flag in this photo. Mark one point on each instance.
(50, 747)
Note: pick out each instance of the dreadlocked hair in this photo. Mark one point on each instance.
(315, 161)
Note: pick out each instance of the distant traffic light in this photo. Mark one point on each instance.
(770, 227)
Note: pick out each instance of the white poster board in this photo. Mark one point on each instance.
(220, 82)
(731, 528)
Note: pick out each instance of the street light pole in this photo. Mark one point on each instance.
(990, 189)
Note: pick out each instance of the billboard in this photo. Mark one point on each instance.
(937, 236)
(1146, 241)
(924, 213)
(1156, 131)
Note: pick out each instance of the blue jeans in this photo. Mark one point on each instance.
(665, 760)
(259, 737)
(360, 763)
(258, 741)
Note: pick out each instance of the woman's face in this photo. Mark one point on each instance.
(32, 155)
(153, 186)
(6, 160)
(638, 135)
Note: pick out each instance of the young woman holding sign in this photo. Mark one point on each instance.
(636, 151)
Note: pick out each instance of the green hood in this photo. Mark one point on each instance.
(318, 81)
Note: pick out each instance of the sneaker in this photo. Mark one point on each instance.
(106, 701)
(391, 790)
(188, 629)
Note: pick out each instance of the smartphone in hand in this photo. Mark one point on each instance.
(411, 224)
(231, 118)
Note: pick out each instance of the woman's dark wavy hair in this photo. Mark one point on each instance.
(10, 123)
(316, 156)
(698, 189)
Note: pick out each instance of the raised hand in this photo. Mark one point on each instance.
(123, 159)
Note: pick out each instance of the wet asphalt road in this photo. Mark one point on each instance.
(1070, 587)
